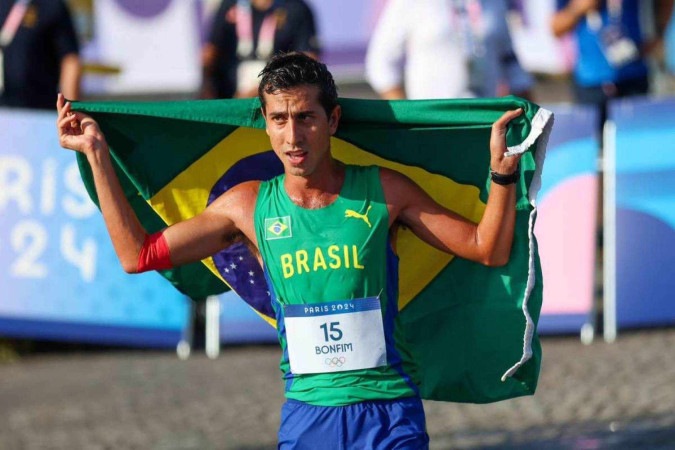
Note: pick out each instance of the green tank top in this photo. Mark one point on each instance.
(320, 259)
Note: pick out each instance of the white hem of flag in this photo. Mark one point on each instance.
(542, 123)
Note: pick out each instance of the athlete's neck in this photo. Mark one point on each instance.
(317, 190)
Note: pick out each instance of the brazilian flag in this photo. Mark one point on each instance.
(472, 328)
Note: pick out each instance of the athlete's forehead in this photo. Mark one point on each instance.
(303, 98)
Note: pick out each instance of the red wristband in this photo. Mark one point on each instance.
(154, 254)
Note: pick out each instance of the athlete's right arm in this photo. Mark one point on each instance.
(187, 241)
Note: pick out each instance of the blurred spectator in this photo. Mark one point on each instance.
(495, 69)
(416, 51)
(39, 53)
(611, 51)
(444, 49)
(244, 34)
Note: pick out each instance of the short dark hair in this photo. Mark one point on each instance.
(288, 70)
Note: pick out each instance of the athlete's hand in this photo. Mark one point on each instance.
(78, 131)
(499, 163)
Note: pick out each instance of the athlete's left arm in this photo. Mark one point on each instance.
(489, 241)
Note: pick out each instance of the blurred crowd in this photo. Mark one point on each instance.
(417, 50)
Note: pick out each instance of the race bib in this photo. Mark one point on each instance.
(335, 336)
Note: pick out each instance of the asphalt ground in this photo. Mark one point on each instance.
(619, 395)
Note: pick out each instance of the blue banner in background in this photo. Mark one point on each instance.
(239, 324)
(59, 276)
(645, 197)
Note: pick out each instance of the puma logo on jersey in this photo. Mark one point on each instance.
(356, 215)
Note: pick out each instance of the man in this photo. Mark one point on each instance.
(444, 49)
(495, 68)
(417, 51)
(244, 35)
(611, 49)
(38, 53)
(323, 233)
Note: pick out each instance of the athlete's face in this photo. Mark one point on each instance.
(299, 129)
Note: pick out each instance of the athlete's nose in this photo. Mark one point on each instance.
(293, 132)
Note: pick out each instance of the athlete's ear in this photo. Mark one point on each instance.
(334, 119)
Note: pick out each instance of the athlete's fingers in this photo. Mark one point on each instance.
(66, 113)
(75, 119)
(507, 117)
(68, 123)
(499, 128)
(59, 102)
(61, 107)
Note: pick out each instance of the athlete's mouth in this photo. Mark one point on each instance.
(296, 156)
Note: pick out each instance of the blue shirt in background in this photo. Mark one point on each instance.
(592, 67)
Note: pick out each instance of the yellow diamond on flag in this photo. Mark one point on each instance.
(277, 228)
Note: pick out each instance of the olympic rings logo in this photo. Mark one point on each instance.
(335, 361)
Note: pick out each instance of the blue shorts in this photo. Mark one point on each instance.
(385, 425)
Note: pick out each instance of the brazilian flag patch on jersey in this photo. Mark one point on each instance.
(278, 228)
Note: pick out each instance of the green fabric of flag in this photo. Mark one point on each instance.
(472, 329)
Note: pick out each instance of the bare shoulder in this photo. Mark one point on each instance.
(245, 192)
(391, 176)
(237, 203)
(397, 186)
(405, 199)
(400, 192)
